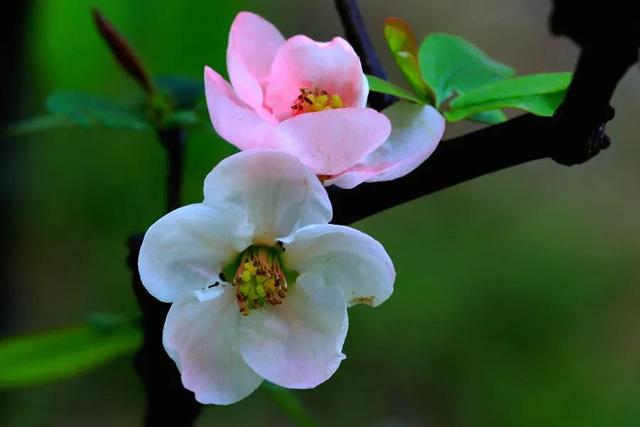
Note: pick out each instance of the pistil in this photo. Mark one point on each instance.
(259, 279)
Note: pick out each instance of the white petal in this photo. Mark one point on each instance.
(416, 131)
(277, 192)
(201, 338)
(297, 344)
(187, 249)
(345, 258)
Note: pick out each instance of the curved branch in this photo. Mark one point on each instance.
(574, 135)
(455, 160)
(356, 33)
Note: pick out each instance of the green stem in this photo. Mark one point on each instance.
(290, 404)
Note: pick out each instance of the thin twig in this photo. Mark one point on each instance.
(356, 33)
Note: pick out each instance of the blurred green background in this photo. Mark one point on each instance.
(516, 302)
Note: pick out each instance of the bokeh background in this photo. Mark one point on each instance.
(517, 295)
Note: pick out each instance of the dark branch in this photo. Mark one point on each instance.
(356, 33)
(592, 23)
(572, 136)
(168, 402)
(173, 140)
(456, 160)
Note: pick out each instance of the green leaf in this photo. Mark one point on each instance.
(403, 47)
(55, 355)
(183, 92)
(490, 117)
(36, 124)
(539, 94)
(376, 84)
(89, 110)
(449, 63)
(184, 119)
(290, 405)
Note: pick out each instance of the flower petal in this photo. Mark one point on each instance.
(277, 193)
(186, 249)
(201, 338)
(297, 344)
(253, 43)
(232, 119)
(345, 258)
(331, 141)
(416, 132)
(304, 63)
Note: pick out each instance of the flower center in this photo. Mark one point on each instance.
(312, 100)
(259, 279)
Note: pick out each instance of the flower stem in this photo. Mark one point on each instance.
(290, 404)
(173, 140)
(168, 403)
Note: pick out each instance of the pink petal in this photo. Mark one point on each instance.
(201, 338)
(253, 43)
(297, 344)
(232, 119)
(331, 141)
(304, 63)
(416, 132)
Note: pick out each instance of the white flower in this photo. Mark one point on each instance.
(259, 281)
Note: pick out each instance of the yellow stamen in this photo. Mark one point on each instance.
(259, 279)
(312, 100)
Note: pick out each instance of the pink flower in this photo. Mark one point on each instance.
(308, 98)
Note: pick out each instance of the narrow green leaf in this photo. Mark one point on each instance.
(541, 105)
(403, 47)
(184, 119)
(290, 405)
(36, 124)
(89, 110)
(539, 94)
(491, 117)
(399, 36)
(378, 85)
(529, 85)
(59, 354)
(451, 64)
